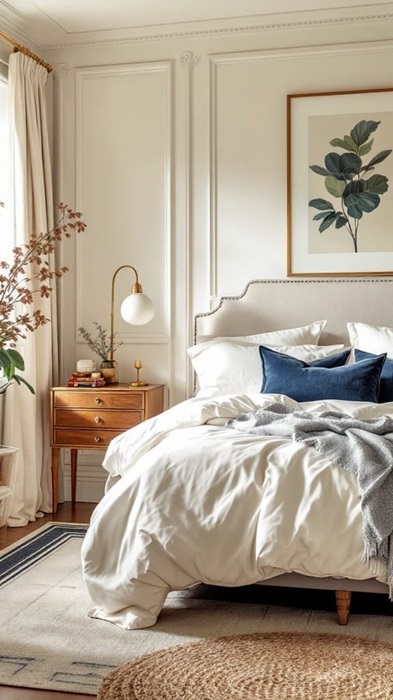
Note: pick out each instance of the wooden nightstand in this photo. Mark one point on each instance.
(86, 418)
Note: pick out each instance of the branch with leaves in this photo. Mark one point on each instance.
(345, 180)
(100, 342)
(26, 275)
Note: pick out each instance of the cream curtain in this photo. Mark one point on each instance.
(26, 420)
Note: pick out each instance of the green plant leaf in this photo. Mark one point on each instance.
(369, 201)
(332, 162)
(354, 187)
(6, 363)
(350, 165)
(377, 159)
(328, 221)
(362, 131)
(320, 203)
(10, 360)
(344, 166)
(19, 380)
(341, 221)
(334, 186)
(319, 216)
(16, 358)
(366, 148)
(355, 211)
(319, 170)
(346, 143)
(364, 202)
(377, 184)
(351, 145)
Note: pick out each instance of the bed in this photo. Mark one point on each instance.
(213, 491)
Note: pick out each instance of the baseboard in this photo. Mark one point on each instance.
(86, 491)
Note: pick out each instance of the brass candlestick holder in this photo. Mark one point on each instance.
(138, 367)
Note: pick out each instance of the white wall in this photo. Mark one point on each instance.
(175, 151)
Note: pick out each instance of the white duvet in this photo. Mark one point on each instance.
(199, 502)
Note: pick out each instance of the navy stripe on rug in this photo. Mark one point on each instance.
(27, 554)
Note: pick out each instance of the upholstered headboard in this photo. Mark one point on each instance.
(267, 305)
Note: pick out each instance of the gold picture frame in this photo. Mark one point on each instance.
(340, 183)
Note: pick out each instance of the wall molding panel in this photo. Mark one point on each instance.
(188, 61)
(138, 119)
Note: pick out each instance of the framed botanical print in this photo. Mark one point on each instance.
(340, 183)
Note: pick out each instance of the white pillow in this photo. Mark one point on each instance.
(287, 336)
(375, 339)
(225, 367)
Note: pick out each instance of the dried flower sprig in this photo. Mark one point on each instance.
(28, 274)
(100, 343)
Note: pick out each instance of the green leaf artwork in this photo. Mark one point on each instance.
(346, 180)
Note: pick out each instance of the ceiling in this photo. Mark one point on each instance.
(53, 23)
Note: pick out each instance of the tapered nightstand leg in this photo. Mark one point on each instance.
(74, 467)
(55, 477)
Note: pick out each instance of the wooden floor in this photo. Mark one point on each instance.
(66, 513)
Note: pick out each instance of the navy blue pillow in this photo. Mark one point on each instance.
(386, 386)
(336, 360)
(321, 379)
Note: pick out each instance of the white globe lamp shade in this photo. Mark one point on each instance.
(137, 309)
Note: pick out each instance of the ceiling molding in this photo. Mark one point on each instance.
(295, 20)
(231, 30)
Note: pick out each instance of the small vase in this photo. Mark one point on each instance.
(108, 369)
(8, 462)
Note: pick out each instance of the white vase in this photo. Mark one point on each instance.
(8, 463)
(3, 381)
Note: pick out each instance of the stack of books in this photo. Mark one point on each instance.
(88, 379)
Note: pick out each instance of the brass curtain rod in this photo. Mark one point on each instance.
(26, 51)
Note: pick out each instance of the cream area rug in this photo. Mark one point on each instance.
(48, 642)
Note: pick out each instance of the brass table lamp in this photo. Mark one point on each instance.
(136, 309)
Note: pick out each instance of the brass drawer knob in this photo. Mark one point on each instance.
(97, 438)
(97, 400)
(97, 419)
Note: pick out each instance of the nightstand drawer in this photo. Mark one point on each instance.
(85, 438)
(102, 399)
(72, 418)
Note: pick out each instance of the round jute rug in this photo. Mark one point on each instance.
(275, 666)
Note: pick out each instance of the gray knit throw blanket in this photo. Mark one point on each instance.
(362, 447)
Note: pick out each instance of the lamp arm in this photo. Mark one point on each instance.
(136, 289)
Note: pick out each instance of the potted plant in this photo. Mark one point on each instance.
(99, 343)
(28, 274)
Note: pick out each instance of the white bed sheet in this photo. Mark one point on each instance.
(199, 502)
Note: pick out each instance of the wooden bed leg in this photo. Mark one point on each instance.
(343, 605)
